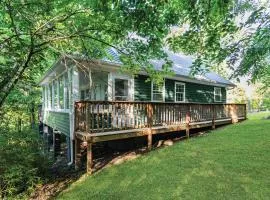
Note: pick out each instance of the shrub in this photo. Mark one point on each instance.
(23, 163)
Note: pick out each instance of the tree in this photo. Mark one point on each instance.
(33, 33)
(241, 38)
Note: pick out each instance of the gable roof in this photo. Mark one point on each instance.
(181, 66)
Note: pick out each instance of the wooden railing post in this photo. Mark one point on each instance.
(87, 118)
(150, 113)
(187, 122)
(245, 110)
(234, 114)
(213, 116)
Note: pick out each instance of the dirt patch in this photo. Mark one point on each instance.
(52, 189)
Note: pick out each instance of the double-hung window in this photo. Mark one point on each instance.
(217, 94)
(157, 92)
(179, 92)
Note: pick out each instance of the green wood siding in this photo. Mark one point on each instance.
(58, 120)
(195, 93)
(142, 89)
(199, 93)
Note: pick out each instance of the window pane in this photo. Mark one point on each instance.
(179, 88)
(157, 97)
(50, 96)
(157, 88)
(217, 98)
(55, 94)
(217, 94)
(179, 97)
(67, 91)
(157, 92)
(121, 89)
(179, 92)
(61, 92)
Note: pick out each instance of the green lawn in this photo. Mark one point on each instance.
(229, 163)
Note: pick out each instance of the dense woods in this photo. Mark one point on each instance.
(230, 37)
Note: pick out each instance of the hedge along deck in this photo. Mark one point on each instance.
(98, 121)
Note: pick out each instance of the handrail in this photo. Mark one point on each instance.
(157, 102)
(103, 116)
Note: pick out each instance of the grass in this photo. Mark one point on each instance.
(228, 163)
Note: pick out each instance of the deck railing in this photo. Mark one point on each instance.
(103, 116)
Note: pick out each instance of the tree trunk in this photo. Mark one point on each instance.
(19, 125)
(32, 115)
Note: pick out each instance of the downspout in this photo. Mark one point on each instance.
(71, 152)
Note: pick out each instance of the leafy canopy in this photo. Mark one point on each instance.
(33, 33)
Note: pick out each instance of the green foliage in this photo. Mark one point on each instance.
(28, 47)
(234, 32)
(201, 32)
(22, 164)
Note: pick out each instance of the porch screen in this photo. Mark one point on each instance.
(121, 89)
(61, 92)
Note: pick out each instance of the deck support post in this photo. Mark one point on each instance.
(77, 153)
(187, 123)
(89, 164)
(214, 117)
(149, 140)
(57, 143)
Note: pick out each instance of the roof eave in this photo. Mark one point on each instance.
(50, 70)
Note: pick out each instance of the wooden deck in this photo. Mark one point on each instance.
(97, 121)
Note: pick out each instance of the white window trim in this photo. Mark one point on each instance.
(179, 83)
(129, 86)
(217, 94)
(111, 85)
(163, 92)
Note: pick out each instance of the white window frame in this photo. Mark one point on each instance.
(111, 85)
(184, 95)
(215, 94)
(163, 92)
(128, 94)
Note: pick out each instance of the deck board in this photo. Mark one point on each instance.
(129, 133)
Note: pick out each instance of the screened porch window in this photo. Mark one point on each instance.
(121, 89)
(66, 90)
(49, 98)
(157, 92)
(179, 92)
(61, 92)
(55, 94)
(217, 94)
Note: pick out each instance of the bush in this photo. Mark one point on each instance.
(22, 165)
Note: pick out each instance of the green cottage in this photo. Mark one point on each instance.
(87, 101)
